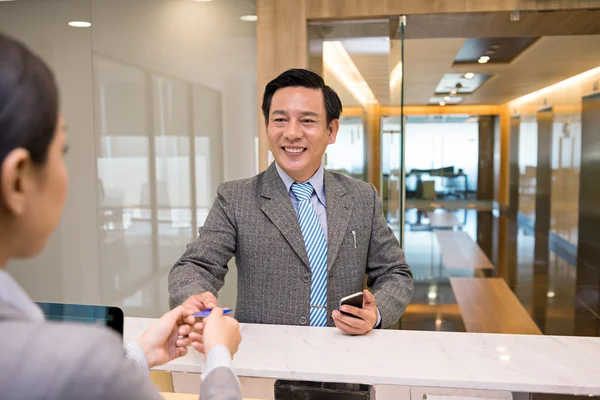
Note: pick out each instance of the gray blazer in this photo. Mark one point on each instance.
(255, 221)
(53, 361)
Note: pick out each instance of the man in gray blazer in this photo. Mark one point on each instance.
(302, 237)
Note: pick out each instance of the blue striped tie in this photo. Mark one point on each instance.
(316, 249)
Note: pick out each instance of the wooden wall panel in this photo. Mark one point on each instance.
(346, 9)
(425, 110)
(485, 167)
(504, 154)
(373, 118)
(353, 112)
(282, 41)
(514, 172)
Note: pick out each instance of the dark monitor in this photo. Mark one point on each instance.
(111, 317)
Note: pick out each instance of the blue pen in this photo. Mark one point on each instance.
(206, 313)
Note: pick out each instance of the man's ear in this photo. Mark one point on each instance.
(334, 127)
(14, 181)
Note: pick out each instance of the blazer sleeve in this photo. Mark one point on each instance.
(203, 266)
(220, 384)
(93, 365)
(389, 276)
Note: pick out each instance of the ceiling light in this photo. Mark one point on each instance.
(551, 295)
(249, 18)
(80, 24)
(447, 98)
(469, 75)
(483, 59)
(490, 52)
(495, 46)
(396, 75)
(442, 103)
(574, 80)
(337, 61)
(453, 92)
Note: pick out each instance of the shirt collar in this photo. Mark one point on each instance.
(13, 295)
(317, 182)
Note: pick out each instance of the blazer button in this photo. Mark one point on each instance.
(307, 278)
(303, 320)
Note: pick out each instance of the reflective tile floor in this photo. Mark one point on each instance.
(560, 294)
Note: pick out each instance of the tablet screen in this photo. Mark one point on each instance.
(111, 317)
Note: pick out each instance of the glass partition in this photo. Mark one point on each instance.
(439, 92)
(151, 107)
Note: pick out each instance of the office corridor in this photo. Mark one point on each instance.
(553, 293)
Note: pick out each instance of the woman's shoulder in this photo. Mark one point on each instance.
(60, 357)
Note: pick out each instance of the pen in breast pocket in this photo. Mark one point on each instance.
(354, 235)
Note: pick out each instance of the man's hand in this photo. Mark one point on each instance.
(366, 316)
(167, 338)
(216, 329)
(200, 302)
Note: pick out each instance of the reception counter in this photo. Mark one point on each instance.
(505, 363)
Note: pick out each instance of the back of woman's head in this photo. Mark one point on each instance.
(28, 102)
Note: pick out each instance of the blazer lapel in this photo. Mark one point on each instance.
(339, 210)
(277, 206)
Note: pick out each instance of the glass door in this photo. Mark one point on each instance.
(363, 62)
(392, 133)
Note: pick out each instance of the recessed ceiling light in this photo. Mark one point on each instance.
(469, 75)
(249, 18)
(80, 24)
(495, 46)
(442, 103)
(483, 59)
(447, 98)
(453, 92)
(490, 52)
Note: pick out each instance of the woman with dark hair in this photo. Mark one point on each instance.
(42, 360)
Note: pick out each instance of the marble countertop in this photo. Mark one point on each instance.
(517, 363)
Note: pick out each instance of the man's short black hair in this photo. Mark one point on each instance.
(307, 79)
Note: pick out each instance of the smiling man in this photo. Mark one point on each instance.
(303, 238)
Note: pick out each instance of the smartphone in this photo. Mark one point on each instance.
(355, 300)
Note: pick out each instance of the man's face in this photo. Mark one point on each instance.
(297, 131)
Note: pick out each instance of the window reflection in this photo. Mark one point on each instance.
(528, 143)
(347, 156)
(443, 158)
(155, 176)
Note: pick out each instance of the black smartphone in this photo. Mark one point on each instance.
(355, 300)
(111, 317)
